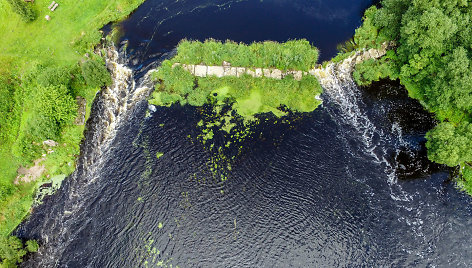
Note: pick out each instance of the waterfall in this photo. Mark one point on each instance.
(350, 111)
(112, 107)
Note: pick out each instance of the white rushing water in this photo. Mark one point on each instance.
(337, 82)
(112, 107)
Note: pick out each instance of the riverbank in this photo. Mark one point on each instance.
(435, 68)
(48, 72)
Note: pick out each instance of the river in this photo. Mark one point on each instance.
(348, 185)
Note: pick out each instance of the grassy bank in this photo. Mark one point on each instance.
(246, 95)
(44, 67)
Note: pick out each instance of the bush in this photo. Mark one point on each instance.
(23, 9)
(96, 73)
(56, 103)
(54, 76)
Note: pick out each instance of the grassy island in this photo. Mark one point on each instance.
(47, 70)
(247, 95)
(432, 59)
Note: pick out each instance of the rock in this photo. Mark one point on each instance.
(152, 108)
(217, 71)
(201, 70)
(82, 105)
(50, 143)
(175, 65)
(226, 64)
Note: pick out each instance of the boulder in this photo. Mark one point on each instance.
(50, 143)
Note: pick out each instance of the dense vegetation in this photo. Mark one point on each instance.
(247, 95)
(433, 61)
(42, 71)
(291, 55)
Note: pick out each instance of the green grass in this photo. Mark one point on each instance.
(25, 50)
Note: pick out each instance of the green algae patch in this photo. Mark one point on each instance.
(250, 106)
(159, 155)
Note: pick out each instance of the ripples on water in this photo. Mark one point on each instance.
(322, 192)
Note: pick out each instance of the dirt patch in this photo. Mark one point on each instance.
(32, 173)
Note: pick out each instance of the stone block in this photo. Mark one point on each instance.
(297, 75)
(231, 71)
(250, 72)
(190, 68)
(217, 71)
(276, 74)
(201, 70)
(240, 71)
(258, 72)
(266, 72)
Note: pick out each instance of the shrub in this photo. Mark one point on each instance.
(12, 250)
(96, 73)
(23, 9)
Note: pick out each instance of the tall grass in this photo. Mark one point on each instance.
(291, 55)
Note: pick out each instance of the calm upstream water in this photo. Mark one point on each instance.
(348, 185)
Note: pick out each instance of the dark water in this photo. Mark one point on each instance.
(158, 26)
(322, 191)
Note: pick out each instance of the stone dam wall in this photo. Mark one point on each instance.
(227, 70)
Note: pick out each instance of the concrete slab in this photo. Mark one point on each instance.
(201, 70)
(217, 71)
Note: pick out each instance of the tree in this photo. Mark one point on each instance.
(450, 145)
